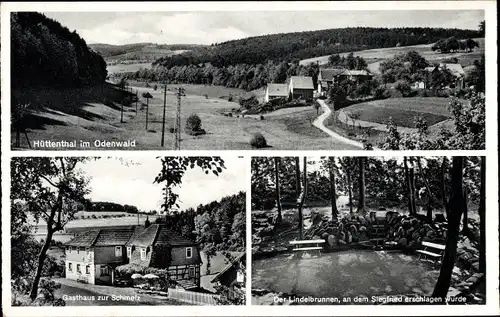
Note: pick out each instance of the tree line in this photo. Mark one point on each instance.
(110, 206)
(46, 54)
(244, 76)
(302, 45)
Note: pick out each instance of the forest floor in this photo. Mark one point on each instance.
(92, 120)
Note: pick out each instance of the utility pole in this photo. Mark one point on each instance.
(136, 100)
(164, 109)
(121, 118)
(177, 138)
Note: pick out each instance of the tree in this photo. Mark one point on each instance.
(455, 208)
(482, 28)
(50, 187)
(333, 193)
(362, 186)
(174, 169)
(147, 95)
(193, 124)
(482, 218)
(337, 94)
(277, 181)
(403, 87)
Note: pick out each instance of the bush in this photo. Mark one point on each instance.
(193, 125)
(155, 87)
(403, 87)
(381, 93)
(230, 98)
(127, 101)
(258, 141)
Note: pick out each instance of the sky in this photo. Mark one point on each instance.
(194, 27)
(130, 182)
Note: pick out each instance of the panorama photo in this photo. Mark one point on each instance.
(118, 231)
(229, 80)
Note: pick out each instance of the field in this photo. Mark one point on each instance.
(374, 56)
(402, 110)
(126, 68)
(72, 116)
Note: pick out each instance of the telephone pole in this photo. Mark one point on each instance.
(177, 138)
(164, 109)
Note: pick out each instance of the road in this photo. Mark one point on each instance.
(319, 123)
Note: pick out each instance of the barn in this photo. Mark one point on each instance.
(301, 87)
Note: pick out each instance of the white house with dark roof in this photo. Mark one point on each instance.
(92, 256)
(274, 91)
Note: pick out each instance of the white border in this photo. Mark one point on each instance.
(492, 254)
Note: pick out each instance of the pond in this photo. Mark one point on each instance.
(345, 274)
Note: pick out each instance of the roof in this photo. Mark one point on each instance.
(327, 74)
(277, 90)
(302, 82)
(158, 234)
(230, 265)
(455, 69)
(357, 72)
(102, 237)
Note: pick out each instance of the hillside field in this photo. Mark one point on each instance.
(402, 110)
(375, 56)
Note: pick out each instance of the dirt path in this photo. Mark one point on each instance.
(319, 123)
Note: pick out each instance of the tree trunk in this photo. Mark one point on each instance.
(408, 187)
(431, 198)
(465, 217)
(443, 183)
(482, 218)
(361, 203)
(41, 259)
(412, 186)
(278, 194)
(349, 187)
(455, 208)
(298, 189)
(333, 192)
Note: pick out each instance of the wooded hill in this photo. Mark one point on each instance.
(138, 50)
(45, 53)
(301, 45)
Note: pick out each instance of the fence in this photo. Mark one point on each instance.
(192, 297)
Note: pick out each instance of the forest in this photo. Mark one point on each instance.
(46, 54)
(301, 45)
(340, 199)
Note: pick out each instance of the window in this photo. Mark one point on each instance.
(104, 270)
(143, 253)
(70, 249)
(192, 272)
(87, 269)
(118, 251)
(78, 268)
(189, 253)
(87, 251)
(129, 252)
(77, 250)
(70, 266)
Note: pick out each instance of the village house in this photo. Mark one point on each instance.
(159, 247)
(274, 91)
(456, 69)
(328, 76)
(233, 275)
(92, 256)
(301, 87)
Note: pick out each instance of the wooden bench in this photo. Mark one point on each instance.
(298, 243)
(436, 253)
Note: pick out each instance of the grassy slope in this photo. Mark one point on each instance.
(402, 110)
(91, 121)
(374, 56)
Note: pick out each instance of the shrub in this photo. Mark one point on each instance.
(258, 141)
(403, 87)
(381, 93)
(230, 98)
(155, 87)
(126, 101)
(261, 117)
(193, 125)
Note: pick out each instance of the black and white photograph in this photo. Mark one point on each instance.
(230, 80)
(368, 230)
(90, 231)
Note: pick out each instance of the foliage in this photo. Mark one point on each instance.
(45, 53)
(403, 87)
(193, 125)
(452, 44)
(477, 77)
(409, 66)
(349, 61)
(147, 95)
(110, 206)
(258, 141)
(174, 168)
(338, 94)
(441, 77)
